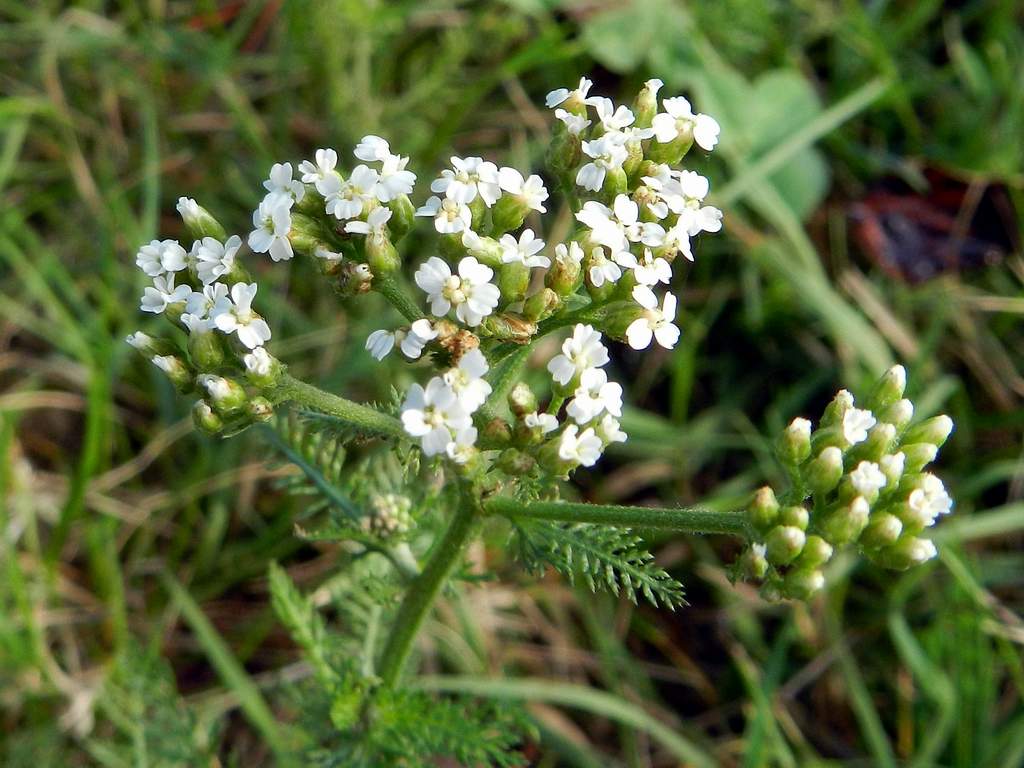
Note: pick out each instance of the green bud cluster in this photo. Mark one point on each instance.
(389, 516)
(857, 480)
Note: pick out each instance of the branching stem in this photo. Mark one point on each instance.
(360, 416)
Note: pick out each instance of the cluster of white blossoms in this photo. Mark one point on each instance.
(862, 470)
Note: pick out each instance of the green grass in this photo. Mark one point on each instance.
(126, 537)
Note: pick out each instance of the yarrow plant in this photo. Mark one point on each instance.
(490, 286)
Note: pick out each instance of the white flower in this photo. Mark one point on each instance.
(450, 216)
(315, 172)
(693, 188)
(372, 149)
(580, 352)
(559, 95)
(258, 362)
(524, 251)
(545, 422)
(472, 176)
(282, 183)
(470, 292)
(433, 414)
(593, 396)
(235, 315)
(201, 303)
(188, 209)
(531, 192)
(380, 343)
(648, 269)
(656, 323)
(601, 269)
(169, 364)
(466, 380)
(580, 448)
(272, 222)
(196, 324)
(867, 478)
(929, 501)
(573, 253)
(141, 341)
(609, 430)
(612, 118)
(574, 124)
(375, 227)
(213, 258)
(678, 117)
(607, 153)
(677, 240)
(394, 180)
(345, 199)
(415, 339)
(461, 449)
(160, 257)
(620, 225)
(921, 551)
(163, 293)
(856, 423)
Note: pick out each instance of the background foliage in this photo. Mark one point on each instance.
(135, 622)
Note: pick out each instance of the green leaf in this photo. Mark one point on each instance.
(303, 622)
(624, 38)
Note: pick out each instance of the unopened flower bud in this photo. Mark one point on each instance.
(513, 280)
(674, 151)
(205, 419)
(615, 183)
(515, 462)
(795, 444)
(880, 441)
(646, 105)
(541, 305)
(305, 234)
(784, 544)
(389, 516)
(816, 552)
(403, 216)
(522, 400)
(888, 389)
(892, 467)
(918, 456)
(565, 152)
(566, 270)
(353, 279)
(865, 480)
(905, 553)
(824, 472)
(844, 524)
(496, 433)
(206, 349)
(224, 395)
(763, 510)
(508, 327)
(934, 430)
(754, 562)
(261, 368)
(149, 346)
(177, 371)
(796, 516)
(803, 583)
(835, 410)
(898, 414)
(883, 529)
(486, 250)
(508, 214)
(198, 221)
(260, 409)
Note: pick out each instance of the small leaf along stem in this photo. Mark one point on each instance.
(679, 519)
(424, 590)
(359, 416)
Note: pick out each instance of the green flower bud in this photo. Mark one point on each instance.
(824, 472)
(796, 516)
(883, 529)
(513, 281)
(646, 105)
(390, 517)
(565, 152)
(754, 563)
(515, 462)
(403, 216)
(794, 446)
(305, 234)
(496, 433)
(615, 183)
(180, 374)
(353, 279)
(508, 214)
(881, 440)
(802, 583)
(674, 151)
(763, 510)
(541, 305)
(451, 247)
(834, 411)
(905, 553)
(261, 368)
(784, 544)
(888, 389)
(508, 327)
(816, 552)
(566, 270)
(844, 524)
(634, 157)
(198, 221)
(918, 456)
(149, 346)
(260, 409)
(521, 400)
(226, 396)
(486, 250)
(892, 466)
(381, 255)
(478, 209)
(934, 430)
(206, 349)
(205, 419)
(898, 414)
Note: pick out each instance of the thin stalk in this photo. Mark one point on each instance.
(361, 416)
(678, 519)
(424, 590)
(388, 287)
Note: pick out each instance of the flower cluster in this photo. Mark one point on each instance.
(858, 479)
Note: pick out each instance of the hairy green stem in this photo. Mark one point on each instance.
(424, 590)
(661, 518)
(358, 415)
(388, 287)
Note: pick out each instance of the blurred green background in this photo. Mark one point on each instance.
(862, 142)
